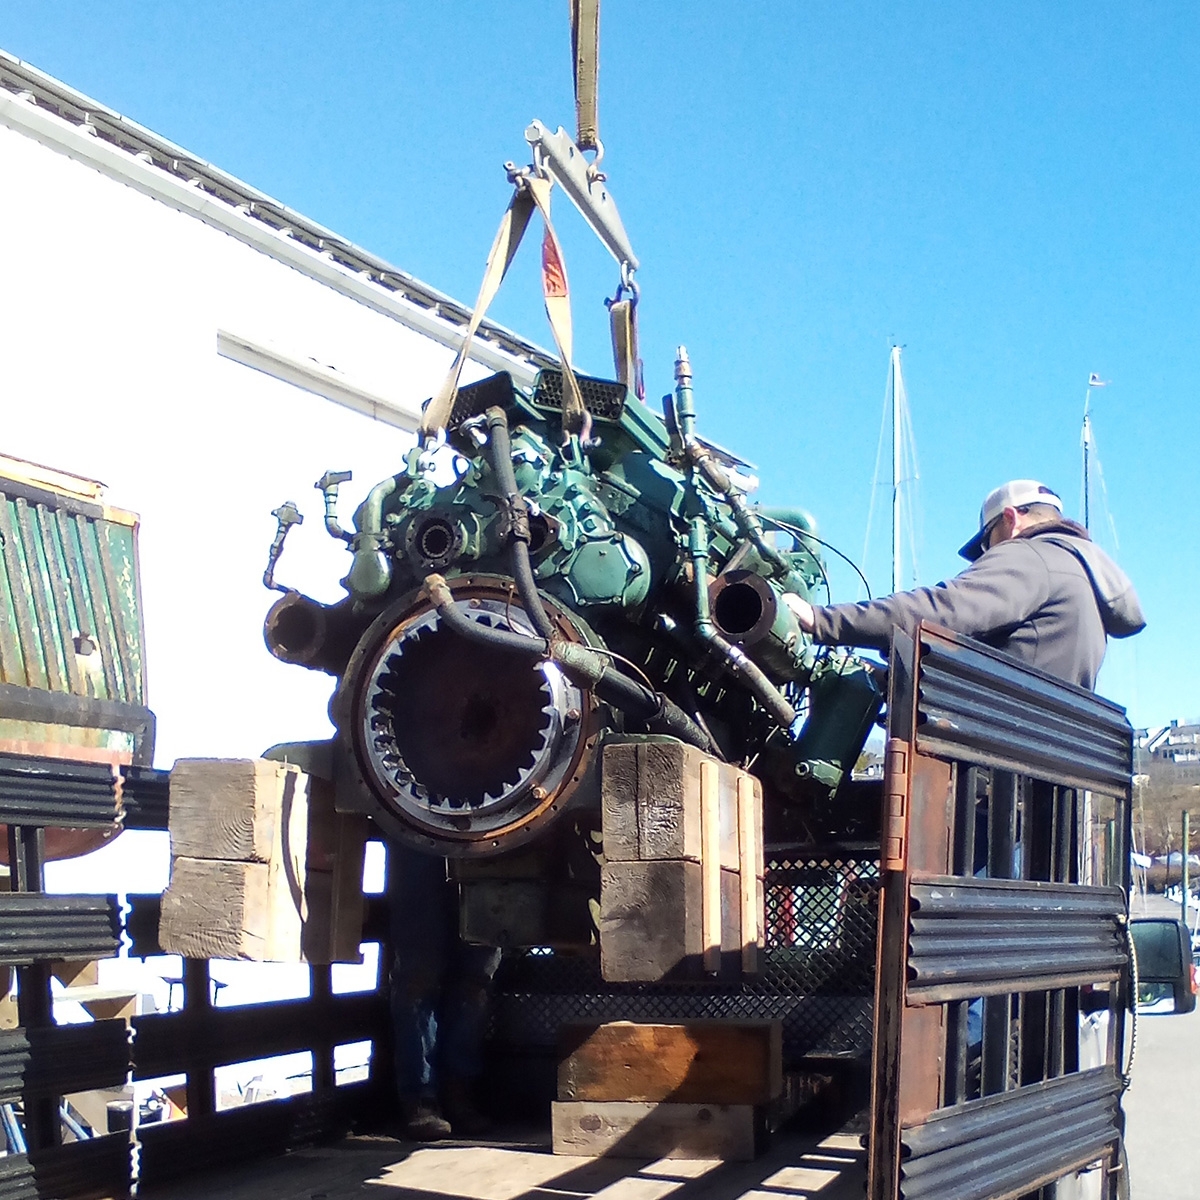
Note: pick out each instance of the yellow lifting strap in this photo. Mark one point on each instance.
(531, 192)
(622, 322)
(585, 49)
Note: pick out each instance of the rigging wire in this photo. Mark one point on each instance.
(887, 395)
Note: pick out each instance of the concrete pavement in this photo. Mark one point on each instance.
(1162, 1106)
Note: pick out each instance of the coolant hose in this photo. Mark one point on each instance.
(499, 452)
(739, 664)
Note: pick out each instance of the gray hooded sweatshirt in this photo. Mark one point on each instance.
(1050, 597)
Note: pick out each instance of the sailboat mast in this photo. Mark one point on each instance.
(896, 466)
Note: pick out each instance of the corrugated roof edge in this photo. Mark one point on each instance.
(20, 79)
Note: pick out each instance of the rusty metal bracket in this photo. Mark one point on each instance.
(897, 760)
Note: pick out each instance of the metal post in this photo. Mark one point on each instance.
(1183, 867)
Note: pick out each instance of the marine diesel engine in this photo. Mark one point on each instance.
(509, 611)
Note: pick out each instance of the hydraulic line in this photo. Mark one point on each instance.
(703, 464)
(734, 658)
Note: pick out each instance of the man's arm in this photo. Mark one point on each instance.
(996, 592)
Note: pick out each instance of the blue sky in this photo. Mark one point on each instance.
(1009, 190)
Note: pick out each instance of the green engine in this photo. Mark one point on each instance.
(516, 596)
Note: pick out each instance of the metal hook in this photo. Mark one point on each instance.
(594, 173)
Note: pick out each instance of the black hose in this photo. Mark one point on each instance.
(458, 622)
(659, 712)
(581, 664)
(499, 452)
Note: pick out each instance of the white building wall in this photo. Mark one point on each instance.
(110, 305)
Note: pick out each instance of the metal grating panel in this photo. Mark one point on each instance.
(818, 973)
(1014, 1142)
(604, 398)
(57, 792)
(35, 925)
(984, 937)
(979, 706)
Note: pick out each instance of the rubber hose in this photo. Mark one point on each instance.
(739, 664)
(610, 686)
(499, 452)
(458, 622)
(591, 670)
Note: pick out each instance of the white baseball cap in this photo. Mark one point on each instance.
(1017, 493)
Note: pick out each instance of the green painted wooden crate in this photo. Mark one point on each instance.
(72, 663)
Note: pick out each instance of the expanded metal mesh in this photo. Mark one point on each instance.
(818, 976)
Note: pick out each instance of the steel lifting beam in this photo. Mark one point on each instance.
(585, 188)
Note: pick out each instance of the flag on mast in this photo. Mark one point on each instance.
(1094, 380)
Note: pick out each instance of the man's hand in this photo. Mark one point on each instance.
(801, 610)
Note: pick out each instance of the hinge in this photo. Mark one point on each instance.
(895, 804)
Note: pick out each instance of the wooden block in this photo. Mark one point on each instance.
(651, 802)
(688, 1062)
(279, 878)
(334, 907)
(669, 823)
(650, 921)
(531, 862)
(222, 910)
(665, 802)
(525, 912)
(618, 800)
(237, 810)
(632, 1129)
(81, 973)
(710, 865)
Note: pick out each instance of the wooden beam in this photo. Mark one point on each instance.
(692, 1062)
(632, 1129)
(263, 867)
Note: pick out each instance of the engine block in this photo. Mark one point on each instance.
(515, 597)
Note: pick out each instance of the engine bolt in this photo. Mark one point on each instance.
(474, 603)
(572, 714)
(539, 793)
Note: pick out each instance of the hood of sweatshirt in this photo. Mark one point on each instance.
(1120, 609)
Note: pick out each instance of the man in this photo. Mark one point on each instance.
(1037, 588)
(440, 989)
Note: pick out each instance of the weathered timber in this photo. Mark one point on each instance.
(651, 925)
(237, 810)
(634, 1129)
(215, 909)
(650, 797)
(667, 809)
(688, 1062)
(525, 912)
(266, 871)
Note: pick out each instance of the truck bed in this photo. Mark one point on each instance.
(795, 1166)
